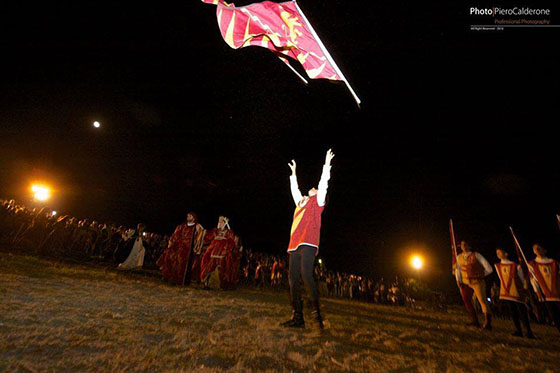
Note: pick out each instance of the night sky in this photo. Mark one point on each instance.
(454, 123)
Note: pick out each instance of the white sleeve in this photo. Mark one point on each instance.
(296, 194)
(485, 264)
(520, 273)
(323, 185)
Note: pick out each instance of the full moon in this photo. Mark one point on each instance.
(96, 124)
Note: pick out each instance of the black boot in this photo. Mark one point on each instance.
(297, 317)
(474, 321)
(316, 315)
(487, 322)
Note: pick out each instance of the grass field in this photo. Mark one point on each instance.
(75, 317)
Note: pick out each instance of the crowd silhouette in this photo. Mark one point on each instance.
(44, 233)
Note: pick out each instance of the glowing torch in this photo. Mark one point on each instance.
(40, 192)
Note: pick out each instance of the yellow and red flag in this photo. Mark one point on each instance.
(283, 29)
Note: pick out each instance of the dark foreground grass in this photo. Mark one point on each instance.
(71, 317)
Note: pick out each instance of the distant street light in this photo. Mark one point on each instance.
(53, 213)
(417, 262)
(96, 124)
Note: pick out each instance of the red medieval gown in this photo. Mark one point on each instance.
(173, 262)
(217, 254)
(232, 263)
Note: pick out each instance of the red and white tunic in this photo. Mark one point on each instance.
(511, 281)
(473, 267)
(306, 225)
(547, 272)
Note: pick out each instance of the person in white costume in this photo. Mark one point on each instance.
(136, 257)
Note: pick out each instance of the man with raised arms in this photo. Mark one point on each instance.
(304, 244)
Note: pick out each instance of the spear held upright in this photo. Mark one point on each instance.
(526, 267)
(454, 262)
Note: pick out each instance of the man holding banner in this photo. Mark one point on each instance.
(470, 270)
(513, 292)
(546, 280)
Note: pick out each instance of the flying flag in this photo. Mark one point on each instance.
(283, 29)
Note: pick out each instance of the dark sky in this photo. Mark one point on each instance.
(454, 123)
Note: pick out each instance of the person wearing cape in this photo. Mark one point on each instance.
(232, 264)
(175, 261)
(221, 242)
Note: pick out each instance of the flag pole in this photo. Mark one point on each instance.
(295, 71)
(539, 291)
(454, 254)
(282, 58)
(327, 54)
(518, 246)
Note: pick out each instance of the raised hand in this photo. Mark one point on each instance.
(329, 157)
(293, 166)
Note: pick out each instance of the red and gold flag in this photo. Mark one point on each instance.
(283, 29)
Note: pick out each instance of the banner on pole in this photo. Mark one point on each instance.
(283, 29)
(526, 267)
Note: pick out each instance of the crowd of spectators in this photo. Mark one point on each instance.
(46, 233)
(271, 271)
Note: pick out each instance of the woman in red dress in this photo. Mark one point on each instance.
(221, 243)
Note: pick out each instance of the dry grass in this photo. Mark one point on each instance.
(69, 317)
